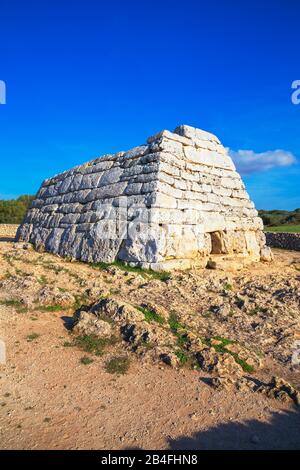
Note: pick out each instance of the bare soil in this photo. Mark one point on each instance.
(49, 399)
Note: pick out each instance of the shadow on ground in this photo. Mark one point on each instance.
(68, 322)
(282, 431)
(7, 239)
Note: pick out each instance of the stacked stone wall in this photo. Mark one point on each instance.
(287, 241)
(155, 203)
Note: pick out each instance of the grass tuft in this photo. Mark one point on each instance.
(117, 365)
(32, 337)
(162, 276)
(94, 345)
(12, 303)
(86, 360)
(150, 315)
(221, 348)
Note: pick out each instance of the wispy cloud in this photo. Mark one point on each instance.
(248, 161)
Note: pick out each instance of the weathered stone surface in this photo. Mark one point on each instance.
(171, 202)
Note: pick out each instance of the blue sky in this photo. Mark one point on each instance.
(86, 78)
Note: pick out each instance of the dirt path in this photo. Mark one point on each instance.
(50, 400)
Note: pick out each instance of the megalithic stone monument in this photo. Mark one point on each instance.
(175, 202)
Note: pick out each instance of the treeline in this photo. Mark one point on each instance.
(276, 218)
(12, 211)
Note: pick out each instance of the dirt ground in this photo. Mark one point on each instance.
(49, 399)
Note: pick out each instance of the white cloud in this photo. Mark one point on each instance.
(248, 161)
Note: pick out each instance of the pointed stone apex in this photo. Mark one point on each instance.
(195, 134)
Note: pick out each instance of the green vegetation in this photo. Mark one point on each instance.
(221, 348)
(178, 329)
(92, 344)
(162, 276)
(50, 308)
(13, 211)
(182, 356)
(12, 303)
(257, 310)
(32, 337)
(228, 287)
(150, 315)
(117, 365)
(42, 280)
(86, 360)
(284, 228)
(281, 221)
(174, 323)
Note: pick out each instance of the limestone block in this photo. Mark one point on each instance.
(241, 194)
(168, 146)
(180, 184)
(207, 243)
(251, 242)
(166, 178)
(162, 200)
(174, 160)
(207, 157)
(100, 166)
(194, 133)
(76, 183)
(188, 204)
(144, 243)
(70, 218)
(136, 152)
(235, 241)
(90, 181)
(188, 176)
(168, 189)
(169, 169)
(149, 187)
(111, 176)
(231, 183)
(53, 241)
(169, 135)
(213, 198)
(214, 222)
(194, 196)
(133, 188)
(220, 191)
(24, 232)
(81, 196)
(49, 208)
(112, 190)
(211, 207)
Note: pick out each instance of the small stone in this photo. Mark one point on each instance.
(211, 265)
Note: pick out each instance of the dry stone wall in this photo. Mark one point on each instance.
(170, 203)
(8, 230)
(285, 240)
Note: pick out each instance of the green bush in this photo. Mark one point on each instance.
(13, 211)
(276, 218)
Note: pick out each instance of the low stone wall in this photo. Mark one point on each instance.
(287, 241)
(8, 230)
